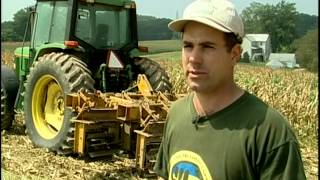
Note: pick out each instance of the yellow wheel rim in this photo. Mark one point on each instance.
(47, 107)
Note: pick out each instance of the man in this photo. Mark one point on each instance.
(220, 131)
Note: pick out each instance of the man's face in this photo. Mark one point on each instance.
(207, 64)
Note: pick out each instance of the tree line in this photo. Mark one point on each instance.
(289, 30)
(149, 27)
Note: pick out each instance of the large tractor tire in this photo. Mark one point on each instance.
(48, 123)
(9, 89)
(158, 78)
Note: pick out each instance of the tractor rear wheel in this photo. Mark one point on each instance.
(9, 89)
(48, 123)
(156, 75)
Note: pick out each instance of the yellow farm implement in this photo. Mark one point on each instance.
(132, 122)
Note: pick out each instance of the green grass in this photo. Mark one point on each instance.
(166, 56)
(160, 46)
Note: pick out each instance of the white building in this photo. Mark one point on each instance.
(275, 64)
(257, 47)
(287, 60)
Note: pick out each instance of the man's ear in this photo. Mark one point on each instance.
(236, 53)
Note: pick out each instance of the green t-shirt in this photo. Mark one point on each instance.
(246, 140)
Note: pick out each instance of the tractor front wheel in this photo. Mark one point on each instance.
(48, 122)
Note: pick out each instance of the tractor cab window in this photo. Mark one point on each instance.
(42, 29)
(103, 26)
(50, 22)
(59, 21)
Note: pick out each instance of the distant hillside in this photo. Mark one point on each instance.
(152, 28)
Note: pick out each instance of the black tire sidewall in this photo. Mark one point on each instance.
(6, 112)
(9, 88)
(41, 69)
(10, 84)
(157, 76)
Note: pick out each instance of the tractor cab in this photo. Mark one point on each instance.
(93, 24)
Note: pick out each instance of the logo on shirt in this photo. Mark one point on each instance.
(188, 165)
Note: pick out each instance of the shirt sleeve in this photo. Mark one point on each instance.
(283, 162)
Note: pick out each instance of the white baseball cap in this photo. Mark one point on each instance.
(219, 14)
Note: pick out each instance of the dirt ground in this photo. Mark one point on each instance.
(20, 157)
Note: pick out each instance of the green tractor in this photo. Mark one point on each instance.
(75, 45)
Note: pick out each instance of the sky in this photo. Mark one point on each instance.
(164, 8)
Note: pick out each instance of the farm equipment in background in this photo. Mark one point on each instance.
(76, 85)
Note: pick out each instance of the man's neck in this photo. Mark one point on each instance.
(209, 103)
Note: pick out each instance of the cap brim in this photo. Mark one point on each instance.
(179, 24)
